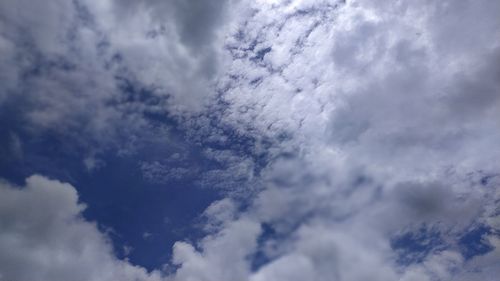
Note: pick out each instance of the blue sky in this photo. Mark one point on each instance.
(249, 140)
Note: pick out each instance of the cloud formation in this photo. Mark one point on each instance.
(44, 237)
(385, 129)
(352, 140)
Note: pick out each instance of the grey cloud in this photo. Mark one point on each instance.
(195, 20)
(60, 81)
(196, 24)
(64, 63)
(478, 92)
(434, 202)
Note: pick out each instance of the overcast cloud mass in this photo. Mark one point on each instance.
(249, 140)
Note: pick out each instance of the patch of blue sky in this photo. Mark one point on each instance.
(117, 195)
(473, 243)
(414, 246)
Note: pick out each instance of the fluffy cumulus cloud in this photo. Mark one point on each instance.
(44, 237)
(353, 140)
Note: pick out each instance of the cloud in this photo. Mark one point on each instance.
(45, 237)
(99, 68)
(345, 125)
(236, 242)
(379, 126)
(171, 46)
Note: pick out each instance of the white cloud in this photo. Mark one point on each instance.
(378, 122)
(44, 237)
(224, 256)
(293, 267)
(378, 116)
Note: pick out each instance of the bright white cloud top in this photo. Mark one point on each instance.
(378, 122)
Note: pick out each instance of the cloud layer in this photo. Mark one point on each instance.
(352, 140)
(384, 120)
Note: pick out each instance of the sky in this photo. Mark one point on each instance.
(249, 140)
